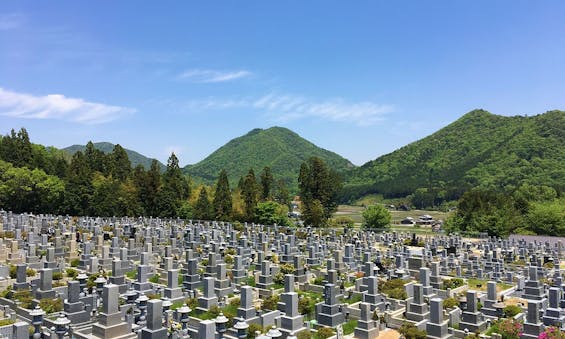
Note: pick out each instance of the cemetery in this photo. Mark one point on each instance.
(88, 277)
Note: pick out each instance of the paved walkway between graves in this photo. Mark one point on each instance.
(389, 334)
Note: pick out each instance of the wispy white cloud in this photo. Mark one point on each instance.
(284, 108)
(57, 106)
(11, 21)
(210, 76)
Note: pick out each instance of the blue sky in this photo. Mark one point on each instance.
(359, 78)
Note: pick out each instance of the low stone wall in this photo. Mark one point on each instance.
(354, 311)
(314, 288)
(396, 304)
(6, 331)
(394, 319)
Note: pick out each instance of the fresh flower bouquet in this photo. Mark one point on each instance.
(552, 332)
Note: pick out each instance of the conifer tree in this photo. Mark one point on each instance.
(266, 183)
(319, 186)
(79, 186)
(96, 159)
(222, 198)
(120, 165)
(174, 191)
(148, 185)
(203, 207)
(174, 180)
(16, 148)
(282, 196)
(151, 188)
(249, 192)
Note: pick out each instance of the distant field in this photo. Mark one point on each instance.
(354, 212)
(397, 216)
(412, 229)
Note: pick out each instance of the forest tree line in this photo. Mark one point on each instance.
(37, 179)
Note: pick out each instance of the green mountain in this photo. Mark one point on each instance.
(479, 149)
(279, 148)
(107, 147)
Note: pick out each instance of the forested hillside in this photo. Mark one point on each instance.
(479, 150)
(506, 174)
(134, 157)
(99, 182)
(278, 148)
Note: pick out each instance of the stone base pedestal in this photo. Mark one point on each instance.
(329, 315)
(45, 294)
(205, 303)
(112, 326)
(174, 294)
(438, 331)
(153, 334)
(290, 326)
(366, 330)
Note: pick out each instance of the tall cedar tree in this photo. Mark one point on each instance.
(79, 186)
(114, 198)
(96, 159)
(203, 207)
(318, 182)
(16, 149)
(267, 182)
(222, 198)
(249, 192)
(148, 185)
(175, 189)
(151, 189)
(120, 166)
(174, 180)
(282, 196)
(139, 177)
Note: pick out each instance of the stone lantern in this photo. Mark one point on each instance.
(183, 318)
(274, 333)
(100, 282)
(82, 280)
(241, 328)
(61, 326)
(142, 306)
(167, 303)
(221, 321)
(37, 319)
(130, 296)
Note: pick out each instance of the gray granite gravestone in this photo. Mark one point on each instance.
(154, 329)
(366, 326)
(436, 326)
(328, 312)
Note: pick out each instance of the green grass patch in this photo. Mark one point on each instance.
(230, 310)
(354, 299)
(132, 274)
(250, 281)
(176, 305)
(348, 284)
(310, 294)
(154, 279)
(349, 327)
(5, 322)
